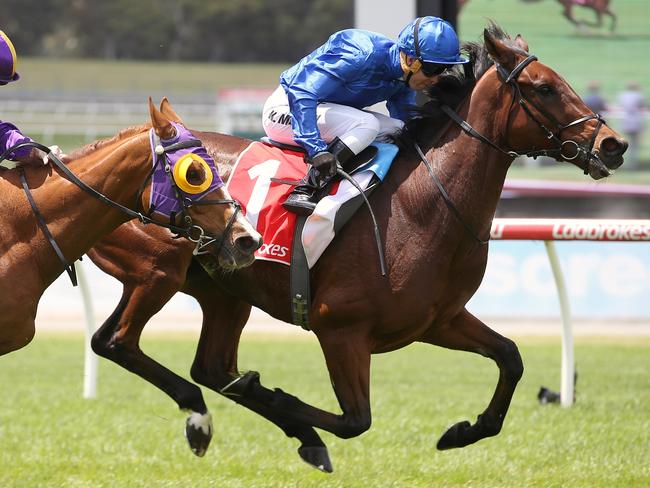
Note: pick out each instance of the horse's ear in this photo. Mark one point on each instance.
(161, 124)
(521, 42)
(166, 108)
(499, 51)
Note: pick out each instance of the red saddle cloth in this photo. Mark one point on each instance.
(261, 198)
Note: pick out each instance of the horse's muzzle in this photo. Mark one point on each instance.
(240, 253)
(611, 151)
(607, 157)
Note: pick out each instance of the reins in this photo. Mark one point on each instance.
(447, 199)
(380, 248)
(510, 78)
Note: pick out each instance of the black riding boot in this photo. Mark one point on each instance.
(313, 187)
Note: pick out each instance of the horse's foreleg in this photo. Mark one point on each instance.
(465, 332)
(348, 362)
(118, 338)
(598, 22)
(215, 366)
(569, 16)
(612, 25)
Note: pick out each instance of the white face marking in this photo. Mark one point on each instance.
(201, 421)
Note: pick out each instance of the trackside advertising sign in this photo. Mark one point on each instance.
(603, 279)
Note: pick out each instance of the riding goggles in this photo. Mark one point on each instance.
(434, 69)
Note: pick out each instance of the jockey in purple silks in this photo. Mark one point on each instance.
(10, 135)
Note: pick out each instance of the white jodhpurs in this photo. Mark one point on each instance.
(356, 128)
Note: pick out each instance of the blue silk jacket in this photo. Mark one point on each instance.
(354, 67)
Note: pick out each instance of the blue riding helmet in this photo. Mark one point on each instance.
(431, 40)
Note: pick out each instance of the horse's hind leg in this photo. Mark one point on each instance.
(215, 366)
(465, 332)
(569, 17)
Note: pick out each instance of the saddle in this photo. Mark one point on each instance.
(350, 167)
(300, 285)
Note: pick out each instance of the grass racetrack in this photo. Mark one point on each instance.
(131, 435)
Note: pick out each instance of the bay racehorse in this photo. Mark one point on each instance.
(112, 182)
(435, 249)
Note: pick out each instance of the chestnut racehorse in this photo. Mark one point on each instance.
(119, 168)
(600, 8)
(435, 250)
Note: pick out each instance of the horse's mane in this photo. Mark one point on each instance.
(452, 88)
(94, 146)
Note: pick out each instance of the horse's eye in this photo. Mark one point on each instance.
(545, 90)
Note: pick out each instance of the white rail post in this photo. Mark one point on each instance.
(567, 375)
(90, 358)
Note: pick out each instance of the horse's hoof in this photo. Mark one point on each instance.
(317, 457)
(198, 432)
(456, 436)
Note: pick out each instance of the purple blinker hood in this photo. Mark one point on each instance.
(165, 196)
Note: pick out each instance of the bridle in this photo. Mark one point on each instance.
(510, 79)
(191, 231)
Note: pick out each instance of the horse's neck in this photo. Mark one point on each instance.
(78, 219)
(471, 172)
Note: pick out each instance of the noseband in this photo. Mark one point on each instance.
(562, 146)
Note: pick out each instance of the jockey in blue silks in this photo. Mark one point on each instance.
(10, 135)
(321, 103)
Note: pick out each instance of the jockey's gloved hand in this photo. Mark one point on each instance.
(35, 157)
(58, 152)
(325, 163)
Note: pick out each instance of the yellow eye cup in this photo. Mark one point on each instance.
(181, 168)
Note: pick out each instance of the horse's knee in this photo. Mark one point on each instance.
(98, 344)
(354, 426)
(107, 346)
(514, 363)
(103, 345)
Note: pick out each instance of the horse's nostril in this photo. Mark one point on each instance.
(246, 244)
(611, 146)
